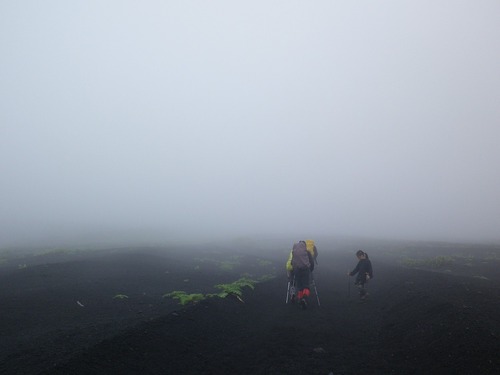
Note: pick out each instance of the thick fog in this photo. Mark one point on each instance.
(198, 119)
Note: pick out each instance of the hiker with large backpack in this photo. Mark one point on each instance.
(299, 268)
(364, 273)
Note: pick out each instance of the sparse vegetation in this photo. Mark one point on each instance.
(436, 262)
(227, 265)
(235, 288)
(185, 298)
(120, 296)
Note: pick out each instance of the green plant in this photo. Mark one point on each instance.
(120, 296)
(235, 288)
(185, 298)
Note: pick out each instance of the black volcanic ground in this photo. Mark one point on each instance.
(433, 308)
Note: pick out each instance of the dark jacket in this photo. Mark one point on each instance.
(363, 268)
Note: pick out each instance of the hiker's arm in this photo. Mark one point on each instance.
(354, 271)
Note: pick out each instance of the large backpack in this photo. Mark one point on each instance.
(300, 258)
(311, 248)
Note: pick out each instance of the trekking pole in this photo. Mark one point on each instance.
(315, 289)
(287, 292)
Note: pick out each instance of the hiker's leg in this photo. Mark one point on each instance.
(298, 279)
(306, 292)
(307, 283)
(302, 276)
(362, 290)
(302, 281)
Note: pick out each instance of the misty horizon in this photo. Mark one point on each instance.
(192, 121)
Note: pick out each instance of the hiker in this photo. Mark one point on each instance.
(302, 263)
(311, 248)
(364, 271)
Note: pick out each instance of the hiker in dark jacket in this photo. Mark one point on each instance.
(364, 272)
(303, 265)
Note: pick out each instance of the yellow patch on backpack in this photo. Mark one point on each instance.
(311, 248)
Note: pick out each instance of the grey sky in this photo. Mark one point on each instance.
(233, 118)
